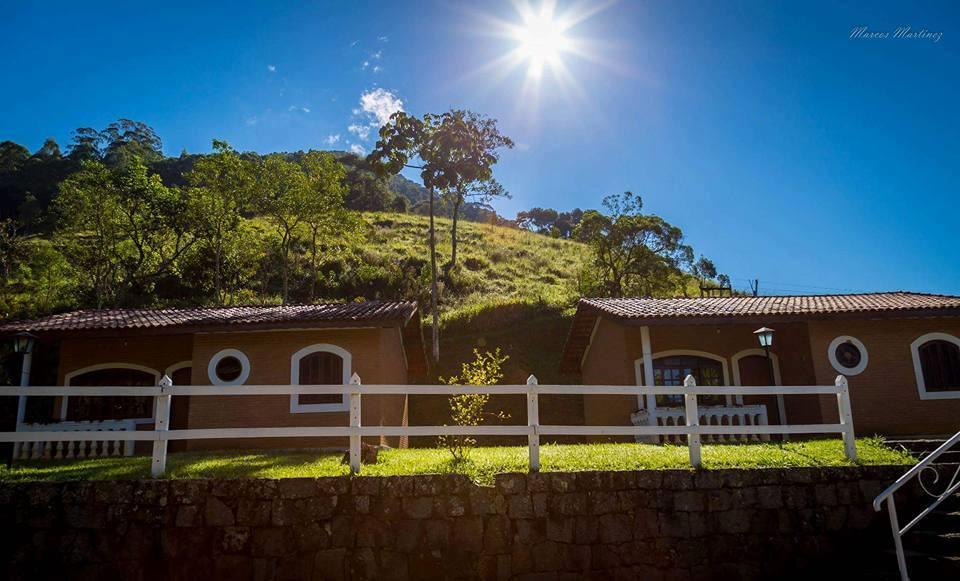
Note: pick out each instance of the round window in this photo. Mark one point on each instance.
(228, 367)
(847, 355)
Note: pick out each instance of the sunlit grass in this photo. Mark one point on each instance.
(481, 465)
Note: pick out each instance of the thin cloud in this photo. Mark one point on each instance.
(333, 139)
(357, 149)
(272, 68)
(361, 131)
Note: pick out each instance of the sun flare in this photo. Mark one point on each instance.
(541, 38)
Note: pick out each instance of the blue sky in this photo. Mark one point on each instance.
(785, 149)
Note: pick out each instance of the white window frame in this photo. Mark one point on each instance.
(68, 378)
(848, 371)
(223, 354)
(918, 369)
(295, 406)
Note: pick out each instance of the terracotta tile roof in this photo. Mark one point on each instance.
(198, 318)
(732, 307)
(757, 310)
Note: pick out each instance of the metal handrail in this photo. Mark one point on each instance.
(915, 472)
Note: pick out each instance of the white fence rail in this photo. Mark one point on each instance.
(692, 429)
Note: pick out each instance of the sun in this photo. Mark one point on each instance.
(541, 39)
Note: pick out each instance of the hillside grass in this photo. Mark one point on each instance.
(481, 465)
(498, 267)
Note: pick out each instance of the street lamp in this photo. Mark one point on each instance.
(765, 336)
(23, 343)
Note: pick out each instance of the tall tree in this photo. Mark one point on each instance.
(12, 156)
(122, 228)
(125, 139)
(49, 151)
(282, 194)
(221, 186)
(85, 145)
(634, 253)
(325, 215)
(469, 146)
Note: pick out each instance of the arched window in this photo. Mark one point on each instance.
(79, 408)
(671, 370)
(936, 362)
(320, 364)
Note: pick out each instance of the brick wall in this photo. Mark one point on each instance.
(651, 524)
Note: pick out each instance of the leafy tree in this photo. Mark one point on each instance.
(220, 190)
(539, 220)
(634, 253)
(123, 228)
(470, 409)
(455, 151)
(12, 156)
(85, 145)
(468, 144)
(125, 139)
(48, 151)
(325, 214)
(283, 195)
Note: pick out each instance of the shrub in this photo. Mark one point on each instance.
(470, 409)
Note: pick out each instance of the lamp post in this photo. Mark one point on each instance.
(765, 336)
(23, 343)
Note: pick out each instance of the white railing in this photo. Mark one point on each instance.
(925, 466)
(108, 442)
(732, 415)
(692, 429)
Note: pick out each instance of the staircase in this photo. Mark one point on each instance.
(931, 548)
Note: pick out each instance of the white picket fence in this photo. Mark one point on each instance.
(161, 434)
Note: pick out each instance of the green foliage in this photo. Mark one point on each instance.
(634, 254)
(481, 467)
(470, 409)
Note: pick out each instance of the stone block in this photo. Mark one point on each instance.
(256, 513)
(393, 566)
(437, 533)
(562, 482)
(328, 564)
(690, 501)
(234, 540)
(269, 542)
(546, 557)
(468, 534)
(769, 496)
(372, 532)
(602, 502)
(615, 528)
(586, 529)
(297, 488)
(496, 534)
(188, 516)
(560, 530)
(646, 524)
(510, 483)
(735, 521)
(520, 506)
(674, 524)
(418, 507)
(410, 535)
(825, 494)
(217, 513)
(189, 491)
(336, 486)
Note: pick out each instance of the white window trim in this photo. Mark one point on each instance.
(295, 406)
(705, 354)
(100, 366)
(177, 367)
(218, 356)
(918, 369)
(848, 371)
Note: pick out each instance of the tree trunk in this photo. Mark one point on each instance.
(313, 263)
(453, 231)
(217, 283)
(285, 249)
(433, 285)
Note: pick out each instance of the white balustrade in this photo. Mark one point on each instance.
(735, 415)
(110, 444)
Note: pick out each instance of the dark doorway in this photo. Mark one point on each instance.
(754, 371)
(180, 408)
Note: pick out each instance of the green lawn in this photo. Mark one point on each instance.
(481, 466)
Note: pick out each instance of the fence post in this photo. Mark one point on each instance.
(355, 424)
(533, 421)
(161, 423)
(692, 416)
(846, 418)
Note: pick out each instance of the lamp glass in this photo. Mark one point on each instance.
(765, 336)
(23, 343)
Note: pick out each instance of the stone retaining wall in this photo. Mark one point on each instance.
(648, 525)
